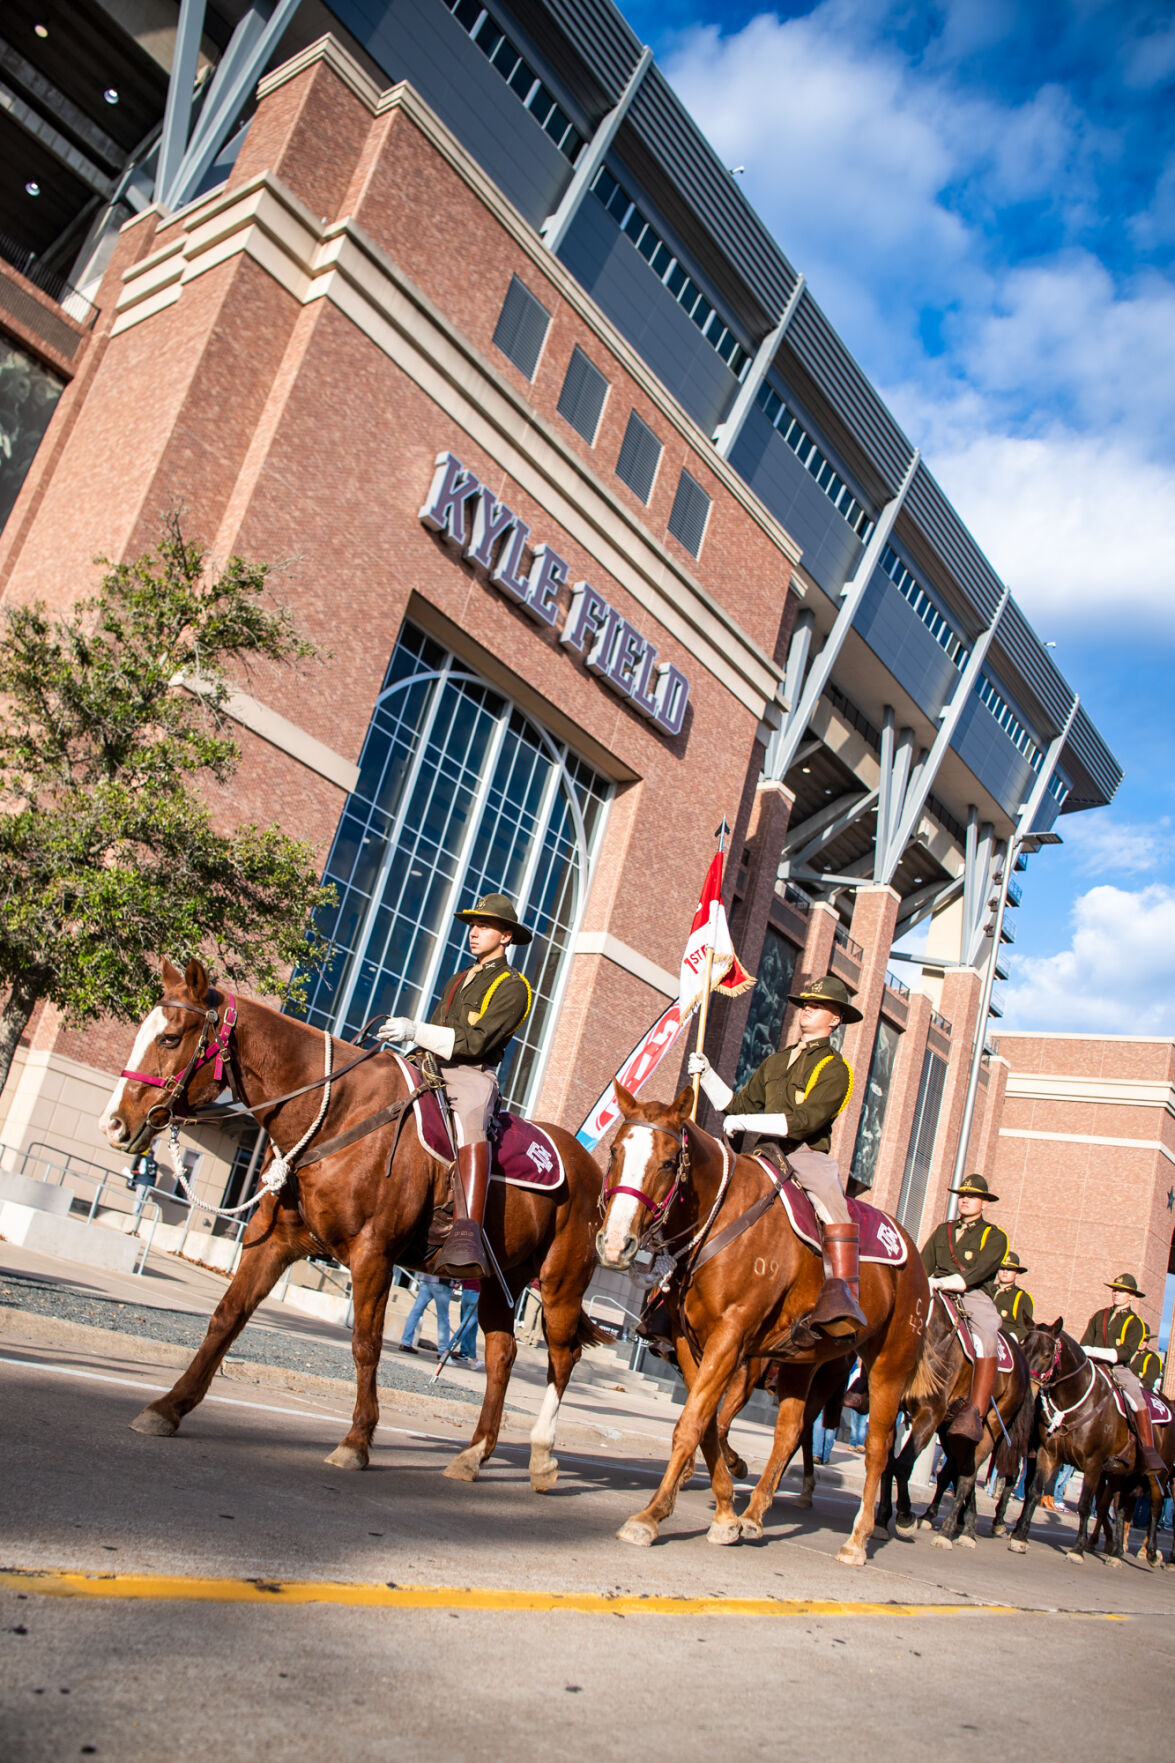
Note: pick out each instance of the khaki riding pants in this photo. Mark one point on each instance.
(473, 1097)
(984, 1319)
(819, 1176)
(1131, 1388)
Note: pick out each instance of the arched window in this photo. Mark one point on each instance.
(460, 794)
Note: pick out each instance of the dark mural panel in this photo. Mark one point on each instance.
(768, 1005)
(28, 395)
(872, 1123)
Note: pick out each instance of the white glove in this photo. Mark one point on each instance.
(1107, 1355)
(949, 1282)
(716, 1092)
(433, 1039)
(774, 1125)
(397, 1028)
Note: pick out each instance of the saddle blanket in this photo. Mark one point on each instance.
(1004, 1357)
(524, 1156)
(880, 1238)
(1160, 1410)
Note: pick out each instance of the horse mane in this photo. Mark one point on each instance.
(933, 1374)
(1010, 1452)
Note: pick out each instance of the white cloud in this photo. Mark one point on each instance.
(1117, 976)
(1105, 845)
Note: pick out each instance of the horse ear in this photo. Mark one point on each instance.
(1058, 1325)
(683, 1105)
(196, 978)
(170, 974)
(625, 1100)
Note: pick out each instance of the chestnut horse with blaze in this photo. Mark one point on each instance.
(671, 1181)
(369, 1203)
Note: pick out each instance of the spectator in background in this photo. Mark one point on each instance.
(465, 1349)
(142, 1177)
(436, 1292)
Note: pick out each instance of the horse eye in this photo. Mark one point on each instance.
(169, 1040)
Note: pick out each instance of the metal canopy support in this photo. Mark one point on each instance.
(177, 117)
(783, 751)
(240, 67)
(913, 798)
(821, 828)
(896, 753)
(977, 874)
(554, 228)
(728, 430)
(1024, 824)
(923, 904)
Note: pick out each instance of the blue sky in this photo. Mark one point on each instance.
(982, 196)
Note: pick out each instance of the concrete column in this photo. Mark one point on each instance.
(961, 991)
(903, 1098)
(816, 958)
(766, 831)
(875, 914)
(985, 1133)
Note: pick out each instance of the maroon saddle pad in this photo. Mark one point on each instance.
(881, 1240)
(523, 1154)
(1160, 1409)
(1004, 1357)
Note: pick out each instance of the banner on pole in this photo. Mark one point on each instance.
(640, 1064)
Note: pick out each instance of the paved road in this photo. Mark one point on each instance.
(1071, 1657)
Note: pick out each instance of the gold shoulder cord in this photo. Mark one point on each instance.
(476, 1015)
(811, 1084)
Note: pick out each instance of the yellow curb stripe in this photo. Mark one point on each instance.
(174, 1588)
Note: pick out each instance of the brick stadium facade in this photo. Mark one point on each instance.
(631, 631)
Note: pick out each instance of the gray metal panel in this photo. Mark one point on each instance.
(831, 549)
(930, 510)
(820, 351)
(658, 118)
(603, 38)
(1095, 772)
(610, 267)
(999, 765)
(420, 41)
(1020, 643)
(901, 641)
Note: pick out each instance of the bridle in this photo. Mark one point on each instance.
(1047, 1380)
(213, 1048)
(657, 1209)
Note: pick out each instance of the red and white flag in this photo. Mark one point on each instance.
(710, 930)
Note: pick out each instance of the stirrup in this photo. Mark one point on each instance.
(463, 1252)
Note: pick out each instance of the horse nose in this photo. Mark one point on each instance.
(619, 1258)
(114, 1127)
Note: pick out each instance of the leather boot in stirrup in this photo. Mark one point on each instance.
(463, 1253)
(837, 1311)
(1152, 1463)
(968, 1422)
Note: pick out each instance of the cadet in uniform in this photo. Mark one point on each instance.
(965, 1255)
(1114, 1336)
(1013, 1303)
(794, 1097)
(479, 1012)
(1147, 1365)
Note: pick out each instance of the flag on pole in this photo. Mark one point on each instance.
(728, 976)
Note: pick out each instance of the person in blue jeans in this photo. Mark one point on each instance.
(433, 1291)
(466, 1344)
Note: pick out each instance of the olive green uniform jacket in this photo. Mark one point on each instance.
(970, 1246)
(810, 1085)
(1147, 1368)
(1124, 1332)
(482, 1025)
(1015, 1308)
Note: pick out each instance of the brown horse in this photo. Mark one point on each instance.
(824, 1398)
(945, 1384)
(370, 1204)
(1079, 1422)
(740, 1302)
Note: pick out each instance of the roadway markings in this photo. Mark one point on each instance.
(189, 1589)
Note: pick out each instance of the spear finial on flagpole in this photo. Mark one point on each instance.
(708, 971)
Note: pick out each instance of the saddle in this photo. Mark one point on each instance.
(881, 1240)
(1004, 1357)
(523, 1155)
(1160, 1411)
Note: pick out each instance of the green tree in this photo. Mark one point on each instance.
(108, 853)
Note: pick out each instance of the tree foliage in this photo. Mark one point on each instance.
(111, 719)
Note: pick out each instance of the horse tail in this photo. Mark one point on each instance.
(587, 1332)
(933, 1375)
(1011, 1451)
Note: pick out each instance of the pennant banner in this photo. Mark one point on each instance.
(640, 1064)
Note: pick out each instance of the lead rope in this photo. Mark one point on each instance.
(279, 1171)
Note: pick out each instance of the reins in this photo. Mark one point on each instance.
(1053, 1378)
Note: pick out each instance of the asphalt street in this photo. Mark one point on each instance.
(931, 1651)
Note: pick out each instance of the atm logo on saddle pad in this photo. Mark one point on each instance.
(463, 512)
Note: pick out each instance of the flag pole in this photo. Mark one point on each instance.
(707, 974)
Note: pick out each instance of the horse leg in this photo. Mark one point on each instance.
(497, 1324)
(944, 1482)
(789, 1425)
(919, 1436)
(724, 1526)
(563, 1354)
(1003, 1494)
(1033, 1490)
(887, 1380)
(803, 1499)
(694, 1426)
(270, 1246)
(371, 1281)
(1090, 1484)
(738, 1394)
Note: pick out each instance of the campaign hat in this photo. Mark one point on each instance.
(497, 909)
(1126, 1282)
(976, 1185)
(832, 993)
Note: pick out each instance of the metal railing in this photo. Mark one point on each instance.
(845, 942)
(26, 263)
(940, 1023)
(894, 984)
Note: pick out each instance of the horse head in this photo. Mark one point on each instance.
(177, 1059)
(1044, 1349)
(644, 1170)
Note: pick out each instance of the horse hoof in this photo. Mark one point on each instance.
(722, 1534)
(638, 1533)
(880, 1533)
(154, 1425)
(738, 1468)
(941, 1542)
(998, 1530)
(465, 1465)
(926, 1524)
(851, 1555)
(544, 1475)
(1075, 1555)
(1017, 1547)
(905, 1523)
(803, 1502)
(1113, 1560)
(347, 1457)
(966, 1542)
(750, 1530)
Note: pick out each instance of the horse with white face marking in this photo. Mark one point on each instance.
(369, 1201)
(742, 1280)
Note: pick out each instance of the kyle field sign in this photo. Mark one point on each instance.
(488, 534)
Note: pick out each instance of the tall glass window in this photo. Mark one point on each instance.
(923, 1133)
(872, 1122)
(777, 965)
(459, 794)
